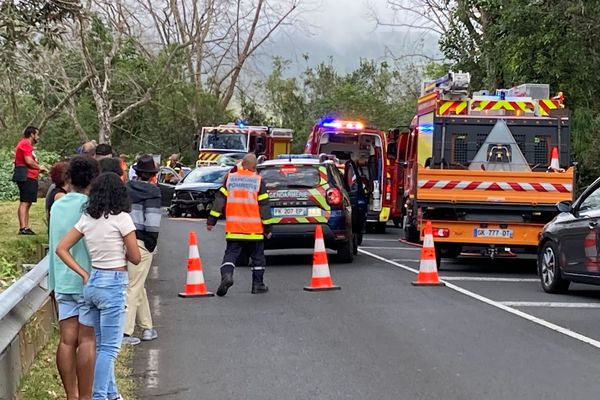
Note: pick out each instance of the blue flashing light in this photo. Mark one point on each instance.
(337, 124)
(241, 123)
(296, 156)
(426, 128)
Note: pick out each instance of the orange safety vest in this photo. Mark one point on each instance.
(242, 212)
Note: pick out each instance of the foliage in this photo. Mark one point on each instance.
(8, 189)
(42, 382)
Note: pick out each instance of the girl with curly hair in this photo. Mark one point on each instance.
(109, 234)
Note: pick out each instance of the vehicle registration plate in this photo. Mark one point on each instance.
(290, 211)
(491, 232)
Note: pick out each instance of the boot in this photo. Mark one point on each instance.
(259, 287)
(226, 283)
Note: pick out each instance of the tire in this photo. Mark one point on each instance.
(438, 256)
(549, 270)
(174, 212)
(345, 253)
(411, 234)
(451, 251)
(380, 227)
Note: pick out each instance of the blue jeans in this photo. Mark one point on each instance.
(105, 295)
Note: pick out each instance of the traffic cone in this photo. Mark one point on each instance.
(591, 251)
(554, 163)
(321, 278)
(428, 275)
(195, 286)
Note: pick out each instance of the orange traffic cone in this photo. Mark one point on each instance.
(554, 163)
(428, 275)
(321, 278)
(195, 286)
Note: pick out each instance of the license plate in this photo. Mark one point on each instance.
(491, 232)
(290, 211)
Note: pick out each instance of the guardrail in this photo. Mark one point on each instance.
(19, 304)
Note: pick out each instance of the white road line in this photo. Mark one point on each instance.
(493, 303)
(551, 304)
(379, 240)
(486, 279)
(389, 248)
(405, 260)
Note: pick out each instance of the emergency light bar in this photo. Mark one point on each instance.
(296, 156)
(343, 124)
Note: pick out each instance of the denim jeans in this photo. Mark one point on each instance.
(106, 297)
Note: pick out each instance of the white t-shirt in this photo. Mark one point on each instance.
(104, 239)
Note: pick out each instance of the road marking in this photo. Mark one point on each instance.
(388, 248)
(379, 240)
(551, 304)
(486, 279)
(405, 260)
(493, 303)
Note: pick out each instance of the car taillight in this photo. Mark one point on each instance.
(441, 232)
(334, 197)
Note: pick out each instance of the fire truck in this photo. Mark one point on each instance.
(213, 141)
(351, 140)
(487, 169)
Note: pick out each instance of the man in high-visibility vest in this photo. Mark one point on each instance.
(245, 200)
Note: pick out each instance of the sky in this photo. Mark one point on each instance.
(345, 30)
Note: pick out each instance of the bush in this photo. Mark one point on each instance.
(8, 189)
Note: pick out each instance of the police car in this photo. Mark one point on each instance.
(306, 190)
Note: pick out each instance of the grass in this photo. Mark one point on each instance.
(43, 382)
(16, 250)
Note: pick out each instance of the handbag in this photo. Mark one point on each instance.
(19, 173)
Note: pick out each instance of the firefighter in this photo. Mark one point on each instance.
(245, 200)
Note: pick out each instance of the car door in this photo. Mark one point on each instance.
(166, 179)
(358, 198)
(579, 236)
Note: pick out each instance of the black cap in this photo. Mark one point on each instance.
(104, 149)
(145, 164)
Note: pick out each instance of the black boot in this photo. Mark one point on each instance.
(259, 287)
(226, 283)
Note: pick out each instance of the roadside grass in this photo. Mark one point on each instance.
(42, 382)
(16, 250)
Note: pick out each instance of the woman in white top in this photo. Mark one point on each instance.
(109, 234)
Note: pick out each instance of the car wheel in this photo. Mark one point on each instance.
(174, 212)
(345, 253)
(549, 269)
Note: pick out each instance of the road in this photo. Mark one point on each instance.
(377, 338)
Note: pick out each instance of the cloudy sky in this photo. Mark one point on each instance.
(346, 30)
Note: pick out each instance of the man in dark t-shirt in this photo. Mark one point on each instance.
(27, 170)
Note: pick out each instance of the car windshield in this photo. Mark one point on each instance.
(290, 176)
(204, 175)
(224, 141)
(231, 158)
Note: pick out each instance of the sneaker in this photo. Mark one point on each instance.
(149, 334)
(26, 231)
(226, 283)
(131, 340)
(259, 287)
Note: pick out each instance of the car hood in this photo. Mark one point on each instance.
(197, 186)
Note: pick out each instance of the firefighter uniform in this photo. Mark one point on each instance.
(245, 200)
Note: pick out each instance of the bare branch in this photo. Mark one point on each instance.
(62, 103)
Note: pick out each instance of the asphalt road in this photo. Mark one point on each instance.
(377, 338)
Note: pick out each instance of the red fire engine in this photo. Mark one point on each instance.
(351, 140)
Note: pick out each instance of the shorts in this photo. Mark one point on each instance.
(28, 190)
(69, 305)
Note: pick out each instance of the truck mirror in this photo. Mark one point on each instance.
(392, 149)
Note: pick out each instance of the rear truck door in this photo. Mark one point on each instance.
(580, 241)
(358, 198)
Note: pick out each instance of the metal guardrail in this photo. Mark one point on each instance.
(18, 304)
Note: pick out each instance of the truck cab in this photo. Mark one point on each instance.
(366, 147)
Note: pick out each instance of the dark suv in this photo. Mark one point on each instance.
(308, 190)
(569, 248)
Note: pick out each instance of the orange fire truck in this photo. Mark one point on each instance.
(351, 140)
(485, 169)
(213, 141)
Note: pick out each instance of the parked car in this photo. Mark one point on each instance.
(167, 179)
(196, 192)
(569, 248)
(308, 190)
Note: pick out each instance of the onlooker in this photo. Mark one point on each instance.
(59, 186)
(26, 172)
(145, 212)
(110, 237)
(111, 165)
(103, 150)
(88, 148)
(76, 350)
(124, 168)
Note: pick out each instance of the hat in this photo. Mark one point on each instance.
(104, 149)
(145, 164)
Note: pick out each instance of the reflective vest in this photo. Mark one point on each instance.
(242, 213)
